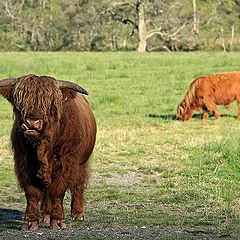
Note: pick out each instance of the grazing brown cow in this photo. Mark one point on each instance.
(53, 137)
(206, 92)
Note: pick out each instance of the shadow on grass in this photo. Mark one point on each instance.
(227, 116)
(164, 117)
(10, 219)
(173, 117)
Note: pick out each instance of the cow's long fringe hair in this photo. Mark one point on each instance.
(32, 85)
(190, 97)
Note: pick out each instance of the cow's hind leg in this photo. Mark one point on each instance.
(32, 213)
(77, 192)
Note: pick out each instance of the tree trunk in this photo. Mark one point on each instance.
(142, 30)
(43, 4)
(231, 40)
(195, 23)
(223, 41)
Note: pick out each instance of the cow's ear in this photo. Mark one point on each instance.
(6, 88)
(67, 94)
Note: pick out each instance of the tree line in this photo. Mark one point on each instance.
(99, 25)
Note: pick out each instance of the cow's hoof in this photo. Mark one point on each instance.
(30, 226)
(58, 224)
(46, 218)
(80, 217)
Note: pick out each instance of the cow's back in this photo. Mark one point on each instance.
(223, 88)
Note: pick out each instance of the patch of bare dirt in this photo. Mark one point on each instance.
(131, 178)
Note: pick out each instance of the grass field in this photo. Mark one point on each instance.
(152, 177)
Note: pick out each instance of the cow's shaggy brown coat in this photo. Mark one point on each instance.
(206, 92)
(53, 137)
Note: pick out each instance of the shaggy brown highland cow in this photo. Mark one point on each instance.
(206, 92)
(53, 137)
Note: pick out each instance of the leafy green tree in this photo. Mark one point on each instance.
(155, 22)
(218, 21)
(151, 25)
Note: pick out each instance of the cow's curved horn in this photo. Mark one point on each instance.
(7, 82)
(72, 86)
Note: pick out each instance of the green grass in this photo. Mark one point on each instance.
(147, 169)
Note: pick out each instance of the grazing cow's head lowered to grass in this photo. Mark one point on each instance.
(53, 137)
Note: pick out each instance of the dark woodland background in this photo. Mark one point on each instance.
(100, 25)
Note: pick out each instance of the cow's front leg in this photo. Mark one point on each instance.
(44, 173)
(46, 207)
(32, 213)
(44, 168)
(57, 213)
